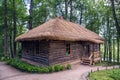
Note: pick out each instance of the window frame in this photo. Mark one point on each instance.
(67, 48)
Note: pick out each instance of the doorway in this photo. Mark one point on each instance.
(87, 50)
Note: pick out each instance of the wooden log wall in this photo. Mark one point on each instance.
(77, 50)
(37, 51)
(58, 52)
(96, 52)
(96, 47)
(54, 52)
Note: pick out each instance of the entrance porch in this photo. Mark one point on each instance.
(92, 54)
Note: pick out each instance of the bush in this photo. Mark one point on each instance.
(68, 66)
(45, 70)
(2, 59)
(51, 69)
(23, 66)
(62, 67)
(115, 74)
(57, 68)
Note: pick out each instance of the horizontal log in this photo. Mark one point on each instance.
(36, 58)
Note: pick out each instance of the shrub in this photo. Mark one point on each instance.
(45, 70)
(59, 67)
(51, 69)
(2, 59)
(62, 67)
(23, 66)
(68, 66)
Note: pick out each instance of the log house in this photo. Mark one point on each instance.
(58, 41)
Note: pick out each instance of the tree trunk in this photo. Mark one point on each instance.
(30, 12)
(113, 41)
(115, 17)
(66, 8)
(118, 44)
(14, 30)
(107, 51)
(6, 48)
(11, 47)
(109, 39)
(104, 56)
(110, 51)
(70, 10)
(81, 14)
(117, 27)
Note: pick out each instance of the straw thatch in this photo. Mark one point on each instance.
(60, 29)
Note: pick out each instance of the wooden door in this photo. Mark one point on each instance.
(87, 50)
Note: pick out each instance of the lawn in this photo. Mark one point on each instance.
(113, 74)
(105, 63)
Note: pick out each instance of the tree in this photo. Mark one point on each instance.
(115, 17)
(71, 10)
(92, 14)
(66, 9)
(8, 15)
(6, 48)
(117, 27)
(14, 29)
(30, 16)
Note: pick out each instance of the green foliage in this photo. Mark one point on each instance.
(62, 67)
(93, 15)
(19, 53)
(113, 74)
(59, 67)
(45, 70)
(68, 66)
(56, 68)
(2, 59)
(105, 63)
(51, 69)
(23, 66)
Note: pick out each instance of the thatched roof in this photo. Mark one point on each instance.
(60, 29)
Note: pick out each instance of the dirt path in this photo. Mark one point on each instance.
(9, 73)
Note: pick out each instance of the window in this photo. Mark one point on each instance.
(67, 49)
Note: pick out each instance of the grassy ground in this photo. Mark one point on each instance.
(104, 63)
(112, 74)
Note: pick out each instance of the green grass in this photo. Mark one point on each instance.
(104, 63)
(113, 74)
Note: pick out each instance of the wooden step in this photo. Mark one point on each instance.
(86, 61)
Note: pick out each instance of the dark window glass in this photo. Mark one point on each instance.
(67, 49)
